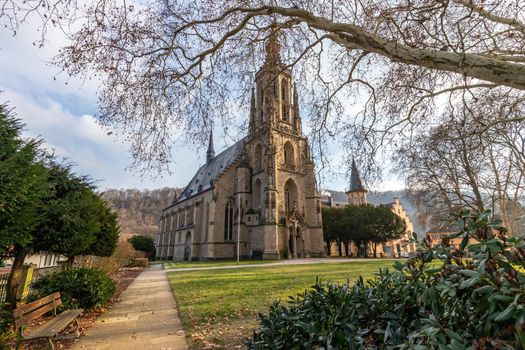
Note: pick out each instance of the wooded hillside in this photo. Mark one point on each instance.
(139, 210)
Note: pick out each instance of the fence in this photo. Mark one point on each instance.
(4, 275)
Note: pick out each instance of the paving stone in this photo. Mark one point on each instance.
(145, 318)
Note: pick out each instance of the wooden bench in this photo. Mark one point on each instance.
(28, 312)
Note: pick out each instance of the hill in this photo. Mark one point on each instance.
(139, 210)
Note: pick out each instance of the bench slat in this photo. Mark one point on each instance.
(23, 309)
(56, 325)
(39, 312)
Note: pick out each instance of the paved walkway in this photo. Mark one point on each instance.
(145, 318)
(280, 263)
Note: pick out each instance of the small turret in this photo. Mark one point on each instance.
(296, 115)
(356, 193)
(253, 112)
(210, 154)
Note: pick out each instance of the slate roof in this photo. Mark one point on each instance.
(212, 171)
(355, 180)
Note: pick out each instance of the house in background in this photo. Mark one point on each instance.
(358, 195)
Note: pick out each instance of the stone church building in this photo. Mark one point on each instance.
(260, 192)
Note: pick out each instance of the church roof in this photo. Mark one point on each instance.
(212, 170)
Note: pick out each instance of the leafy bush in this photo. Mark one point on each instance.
(440, 299)
(79, 288)
(121, 257)
(144, 244)
(6, 318)
(139, 262)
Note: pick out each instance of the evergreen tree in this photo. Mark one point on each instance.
(22, 183)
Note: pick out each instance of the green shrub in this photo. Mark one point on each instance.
(144, 244)
(79, 288)
(6, 318)
(440, 299)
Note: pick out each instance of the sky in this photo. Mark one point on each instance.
(60, 110)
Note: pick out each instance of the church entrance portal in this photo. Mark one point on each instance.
(187, 247)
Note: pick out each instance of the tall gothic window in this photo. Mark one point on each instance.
(289, 155)
(228, 222)
(207, 222)
(257, 193)
(258, 158)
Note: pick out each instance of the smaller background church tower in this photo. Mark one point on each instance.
(356, 193)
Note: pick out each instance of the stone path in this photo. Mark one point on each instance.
(279, 263)
(145, 318)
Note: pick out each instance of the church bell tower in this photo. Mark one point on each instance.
(284, 185)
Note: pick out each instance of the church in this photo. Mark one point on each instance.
(257, 199)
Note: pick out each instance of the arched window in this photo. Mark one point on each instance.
(285, 101)
(207, 222)
(290, 196)
(257, 193)
(289, 155)
(228, 222)
(258, 158)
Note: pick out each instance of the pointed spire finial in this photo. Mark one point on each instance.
(211, 151)
(295, 102)
(252, 111)
(296, 115)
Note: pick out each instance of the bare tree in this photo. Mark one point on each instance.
(371, 72)
(470, 159)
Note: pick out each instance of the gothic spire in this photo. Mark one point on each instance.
(252, 112)
(355, 180)
(211, 151)
(273, 47)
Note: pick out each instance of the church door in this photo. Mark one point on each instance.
(300, 244)
(187, 247)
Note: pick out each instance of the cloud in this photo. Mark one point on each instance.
(60, 109)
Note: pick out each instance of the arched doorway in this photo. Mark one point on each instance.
(296, 246)
(291, 243)
(187, 247)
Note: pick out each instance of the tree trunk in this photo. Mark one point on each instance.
(374, 248)
(340, 249)
(347, 248)
(328, 248)
(14, 280)
(69, 263)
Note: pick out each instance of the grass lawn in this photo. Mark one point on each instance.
(188, 264)
(219, 308)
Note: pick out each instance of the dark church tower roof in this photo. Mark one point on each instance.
(211, 151)
(355, 180)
